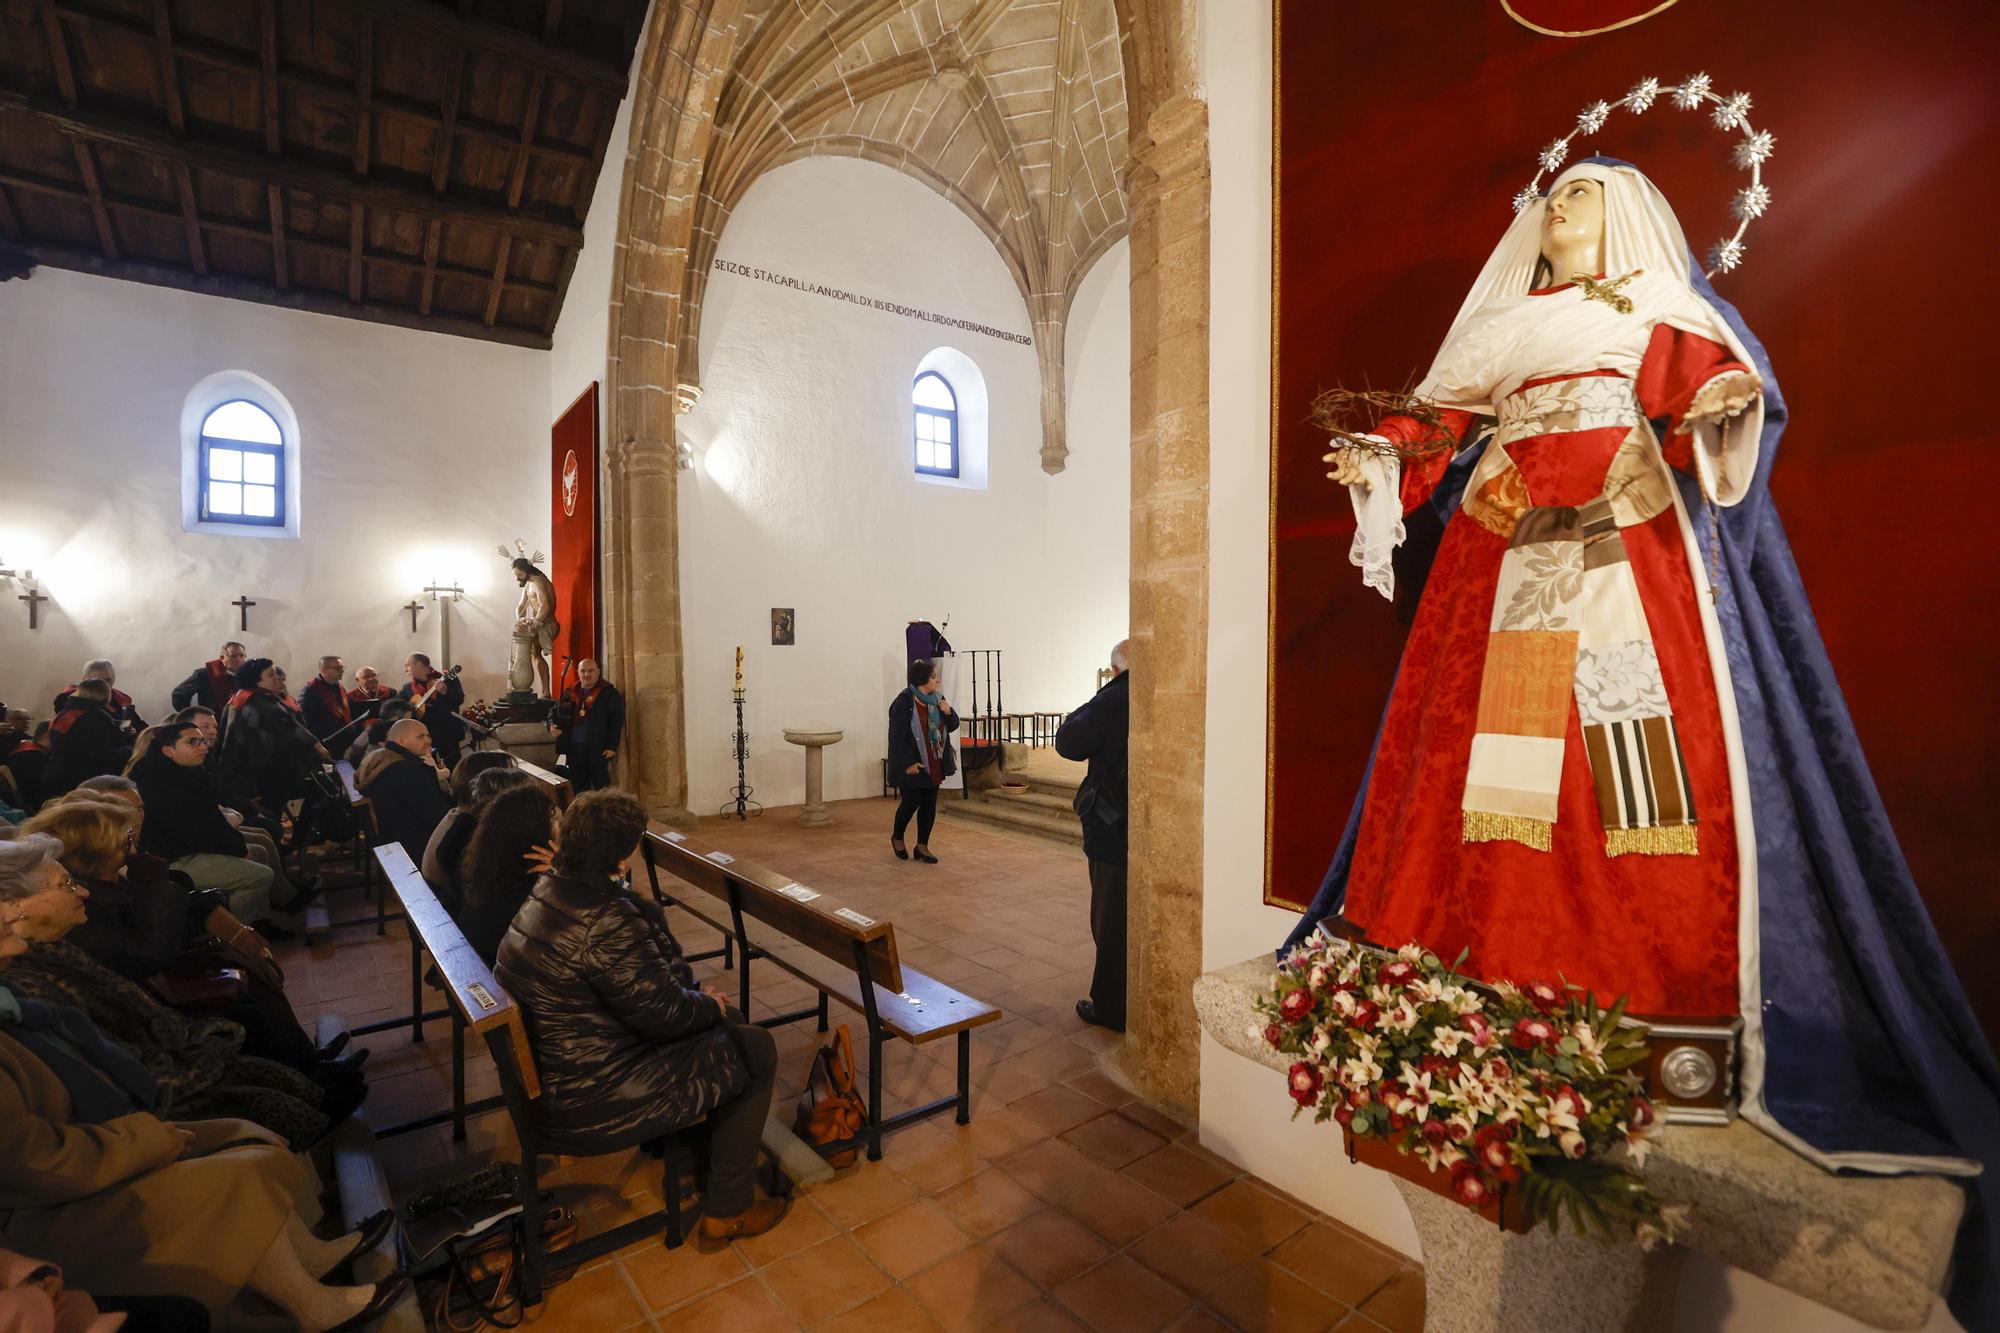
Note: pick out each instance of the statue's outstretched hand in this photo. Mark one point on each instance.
(1346, 461)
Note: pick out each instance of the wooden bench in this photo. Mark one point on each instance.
(480, 1004)
(557, 784)
(364, 836)
(839, 951)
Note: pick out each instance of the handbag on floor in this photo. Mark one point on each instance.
(836, 1116)
(481, 1283)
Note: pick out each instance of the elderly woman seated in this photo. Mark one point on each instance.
(124, 1201)
(627, 1048)
(197, 1064)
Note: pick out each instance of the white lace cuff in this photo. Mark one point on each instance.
(1378, 520)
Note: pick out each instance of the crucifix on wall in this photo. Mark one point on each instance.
(243, 605)
(34, 597)
(413, 607)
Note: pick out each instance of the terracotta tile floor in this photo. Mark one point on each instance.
(1065, 1204)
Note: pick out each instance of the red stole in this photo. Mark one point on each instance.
(333, 697)
(65, 720)
(583, 701)
(241, 697)
(221, 680)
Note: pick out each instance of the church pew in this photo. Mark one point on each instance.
(475, 1000)
(557, 784)
(841, 952)
(481, 1005)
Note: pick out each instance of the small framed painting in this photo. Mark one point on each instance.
(782, 626)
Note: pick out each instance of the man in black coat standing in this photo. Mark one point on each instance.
(1098, 732)
(84, 739)
(589, 725)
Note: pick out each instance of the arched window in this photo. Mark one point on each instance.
(936, 411)
(242, 466)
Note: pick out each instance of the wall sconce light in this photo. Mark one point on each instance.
(444, 594)
(683, 453)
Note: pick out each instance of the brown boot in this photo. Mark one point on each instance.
(715, 1233)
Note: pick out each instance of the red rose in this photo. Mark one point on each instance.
(1494, 1154)
(1397, 1120)
(1306, 1082)
(1296, 1005)
(1275, 1035)
(1343, 1114)
(1530, 1033)
(1435, 1132)
(1542, 995)
(1397, 973)
(1642, 1113)
(1468, 1186)
(1435, 1064)
(1365, 1014)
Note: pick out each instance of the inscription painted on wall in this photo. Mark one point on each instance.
(873, 303)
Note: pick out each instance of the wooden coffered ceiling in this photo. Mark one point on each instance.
(407, 161)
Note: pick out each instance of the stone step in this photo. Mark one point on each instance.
(1002, 812)
(1031, 799)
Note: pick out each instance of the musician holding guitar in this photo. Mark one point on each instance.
(435, 698)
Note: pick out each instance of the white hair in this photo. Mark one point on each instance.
(97, 664)
(22, 861)
(1121, 655)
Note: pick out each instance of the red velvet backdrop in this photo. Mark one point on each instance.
(573, 526)
(1403, 132)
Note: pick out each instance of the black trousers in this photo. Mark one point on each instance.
(1107, 929)
(736, 1128)
(921, 802)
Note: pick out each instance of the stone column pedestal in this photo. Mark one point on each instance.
(1480, 1279)
(815, 742)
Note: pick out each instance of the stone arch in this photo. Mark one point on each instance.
(687, 49)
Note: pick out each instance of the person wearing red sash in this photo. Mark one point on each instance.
(120, 708)
(368, 688)
(326, 706)
(589, 727)
(213, 682)
(84, 741)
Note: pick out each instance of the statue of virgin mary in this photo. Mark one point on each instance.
(1615, 753)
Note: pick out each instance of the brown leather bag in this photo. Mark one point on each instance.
(480, 1286)
(837, 1115)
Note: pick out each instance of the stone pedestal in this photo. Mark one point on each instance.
(814, 742)
(528, 740)
(1874, 1248)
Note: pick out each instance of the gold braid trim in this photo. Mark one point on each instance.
(1485, 826)
(1660, 840)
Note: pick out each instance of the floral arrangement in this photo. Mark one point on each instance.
(478, 712)
(1526, 1089)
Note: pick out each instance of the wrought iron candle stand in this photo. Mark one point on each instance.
(739, 802)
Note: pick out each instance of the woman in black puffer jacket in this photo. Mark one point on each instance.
(626, 1046)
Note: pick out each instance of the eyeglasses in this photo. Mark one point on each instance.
(69, 885)
(199, 741)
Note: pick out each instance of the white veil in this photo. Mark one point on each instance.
(1640, 233)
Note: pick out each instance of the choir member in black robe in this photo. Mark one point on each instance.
(213, 683)
(326, 706)
(589, 727)
(435, 701)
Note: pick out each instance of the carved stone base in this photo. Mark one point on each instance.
(1481, 1279)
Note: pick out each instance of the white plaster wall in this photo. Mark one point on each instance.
(803, 493)
(420, 453)
(1245, 1114)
